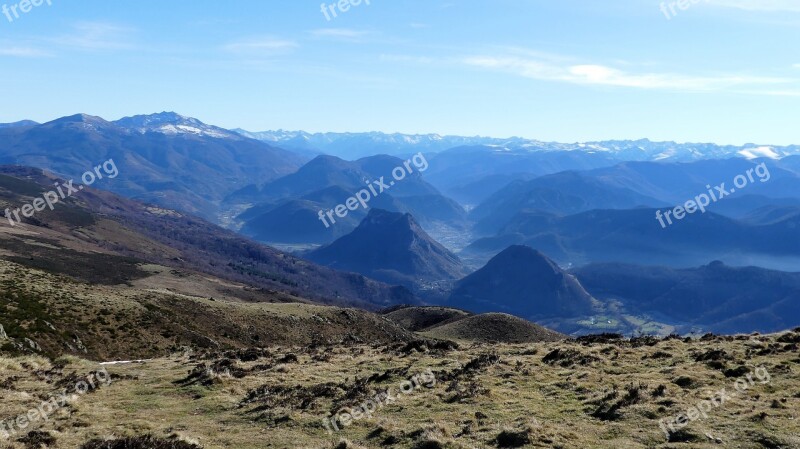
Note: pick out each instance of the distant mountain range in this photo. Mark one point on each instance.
(167, 159)
(358, 145)
(469, 169)
(631, 184)
(530, 217)
(352, 146)
(608, 215)
(563, 193)
(472, 174)
(640, 184)
(214, 162)
(286, 210)
(677, 182)
(634, 236)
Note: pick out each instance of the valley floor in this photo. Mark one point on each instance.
(601, 393)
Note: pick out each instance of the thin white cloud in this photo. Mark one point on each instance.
(424, 60)
(23, 52)
(261, 46)
(778, 93)
(603, 75)
(343, 33)
(97, 36)
(759, 5)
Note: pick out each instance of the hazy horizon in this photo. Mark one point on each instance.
(622, 139)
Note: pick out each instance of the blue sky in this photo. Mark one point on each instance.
(725, 71)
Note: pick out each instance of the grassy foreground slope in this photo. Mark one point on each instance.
(164, 312)
(595, 393)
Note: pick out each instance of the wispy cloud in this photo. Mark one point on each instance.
(777, 93)
(423, 60)
(340, 33)
(97, 36)
(265, 46)
(759, 5)
(23, 52)
(605, 75)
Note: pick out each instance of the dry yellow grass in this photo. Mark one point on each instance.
(599, 395)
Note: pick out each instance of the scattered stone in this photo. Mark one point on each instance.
(140, 442)
(736, 372)
(33, 345)
(428, 444)
(427, 345)
(645, 340)
(36, 439)
(685, 382)
(683, 436)
(512, 439)
(599, 338)
(568, 357)
(288, 358)
(712, 354)
(792, 337)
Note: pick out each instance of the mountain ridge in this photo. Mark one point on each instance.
(326, 181)
(133, 233)
(630, 149)
(524, 282)
(210, 167)
(391, 247)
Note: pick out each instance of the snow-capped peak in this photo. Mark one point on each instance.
(755, 153)
(171, 123)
